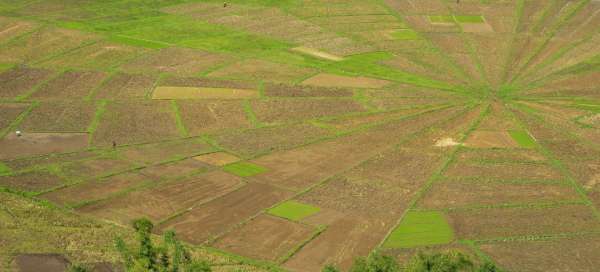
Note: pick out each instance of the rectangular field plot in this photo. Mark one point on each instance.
(337, 81)
(455, 194)
(217, 158)
(283, 90)
(95, 190)
(174, 169)
(165, 151)
(206, 116)
(265, 237)
(63, 116)
(96, 167)
(217, 216)
(499, 156)
(491, 139)
(20, 80)
(30, 144)
(100, 55)
(165, 199)
(506, 171)
(70, 85)
(11, 28)
(508, 222)
(293, 210)
(33, 181)
(9, 112)
(123, 86)
(127, 123)
(568, 254)
(254, 69)
(179, 61)
(420, 229)
(523, 138)
(287, 110)
(170, 92)
(244, 169)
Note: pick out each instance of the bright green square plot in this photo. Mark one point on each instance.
(294, 210)
(4, 170)
(470, 19)
(406, 34)
(522, 138)
(441, 19)
(244, 169)
(420, 229)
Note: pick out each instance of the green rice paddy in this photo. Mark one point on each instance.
(244, 169)
(523, 138)
(420, 229)
(293, 210)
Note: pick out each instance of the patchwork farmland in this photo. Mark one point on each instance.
(289, 135)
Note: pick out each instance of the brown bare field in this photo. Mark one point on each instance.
(20, 80)
(174, 169)
(203, 82)
(127, 123)
(504, 171)
(568, 254)
(206, 116)
(491, 139)
(287, 110)
(164, 199)
(458, 194)
(336, 81)
(37, 180)
(254, 69)
(282, 90)
(123, 86)
(96, 167)
(496, 155)
(70, 85)
(30, 144)
(33, 162)
(221, 214)
(217, 158)
(507, 222)
(11, 28)
(178, 61)
(9, 112)
(59, 116)
(96, 189)
(170, 92)
(265, 237)
(164, 151)
(101, 55)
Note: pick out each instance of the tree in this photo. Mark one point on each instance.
(330, 268)
(375, 262)
(169, 256)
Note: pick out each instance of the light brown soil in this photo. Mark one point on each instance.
(453, 194)
(217, 216)
(96, 189)
(18, 81)
(97, 167)
(126, 86)
(281, 90)
(35, 181)
(60, 116)
(200, 82)
(170, 92)
(330, 80)
(9, 112)
(491, 139)
(11, 28)
(41, 262)
(165, 199)
(167, 151)
(70, 85)
(265, 237)
(339, 244)
(28, 163)
(287, 110)
(499, 155)
(504, 171)
(507, 222)
(101, 55)
(30, 144)
(207, 116)
(317, 53)
(179, 61)
(476, 28)
(217, 158)
(254, 69)
(175, 169)
(570, 254)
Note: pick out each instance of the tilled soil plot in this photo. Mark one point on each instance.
(165, 199)
(102, 55)
(97, 167)
(11, 28)
(20, 80)
(60, 116)
(253, 69)
(174, 169)
(124, 86)
(568, 254)
(265, 237)
(503, 171)
(30, 144)
(128, 123)
(207, 116)
(164, 151)
(9, 112)
(223, 213)
(507, 222)
(70, 85)
(178, 61)
(283, 90)
(498, 156)
(28, 163)
(286, 110)
(34, 181)
(336, 81)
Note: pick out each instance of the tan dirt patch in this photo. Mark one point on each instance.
(507, 222)
(491, 139)
(95, 189)
(96, 167)
(60, 116)
(476, 27)
(37, 180)
(330, 80)
(570, 254)
(218, 158)
(217, 216)
(41, 262)
(316, 53)
(126, 86)
(70, 85)
(200, 116)
(446, 142)
(504, 171)
(179, 61)
(9, 112)
(287, 110)
(165, 92)
(500, 155)
(254, 69)
(165, 151)
(30, 144)
(174, 169)
(265, 237)
(165, 199)
(18, 81)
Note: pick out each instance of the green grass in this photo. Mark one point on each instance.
(244, 169)
(293, 210)
(523, 138)
(4, 170)
(441, 19)
(406, 34)
(420, 229)
(473, 19)
(137, 42)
